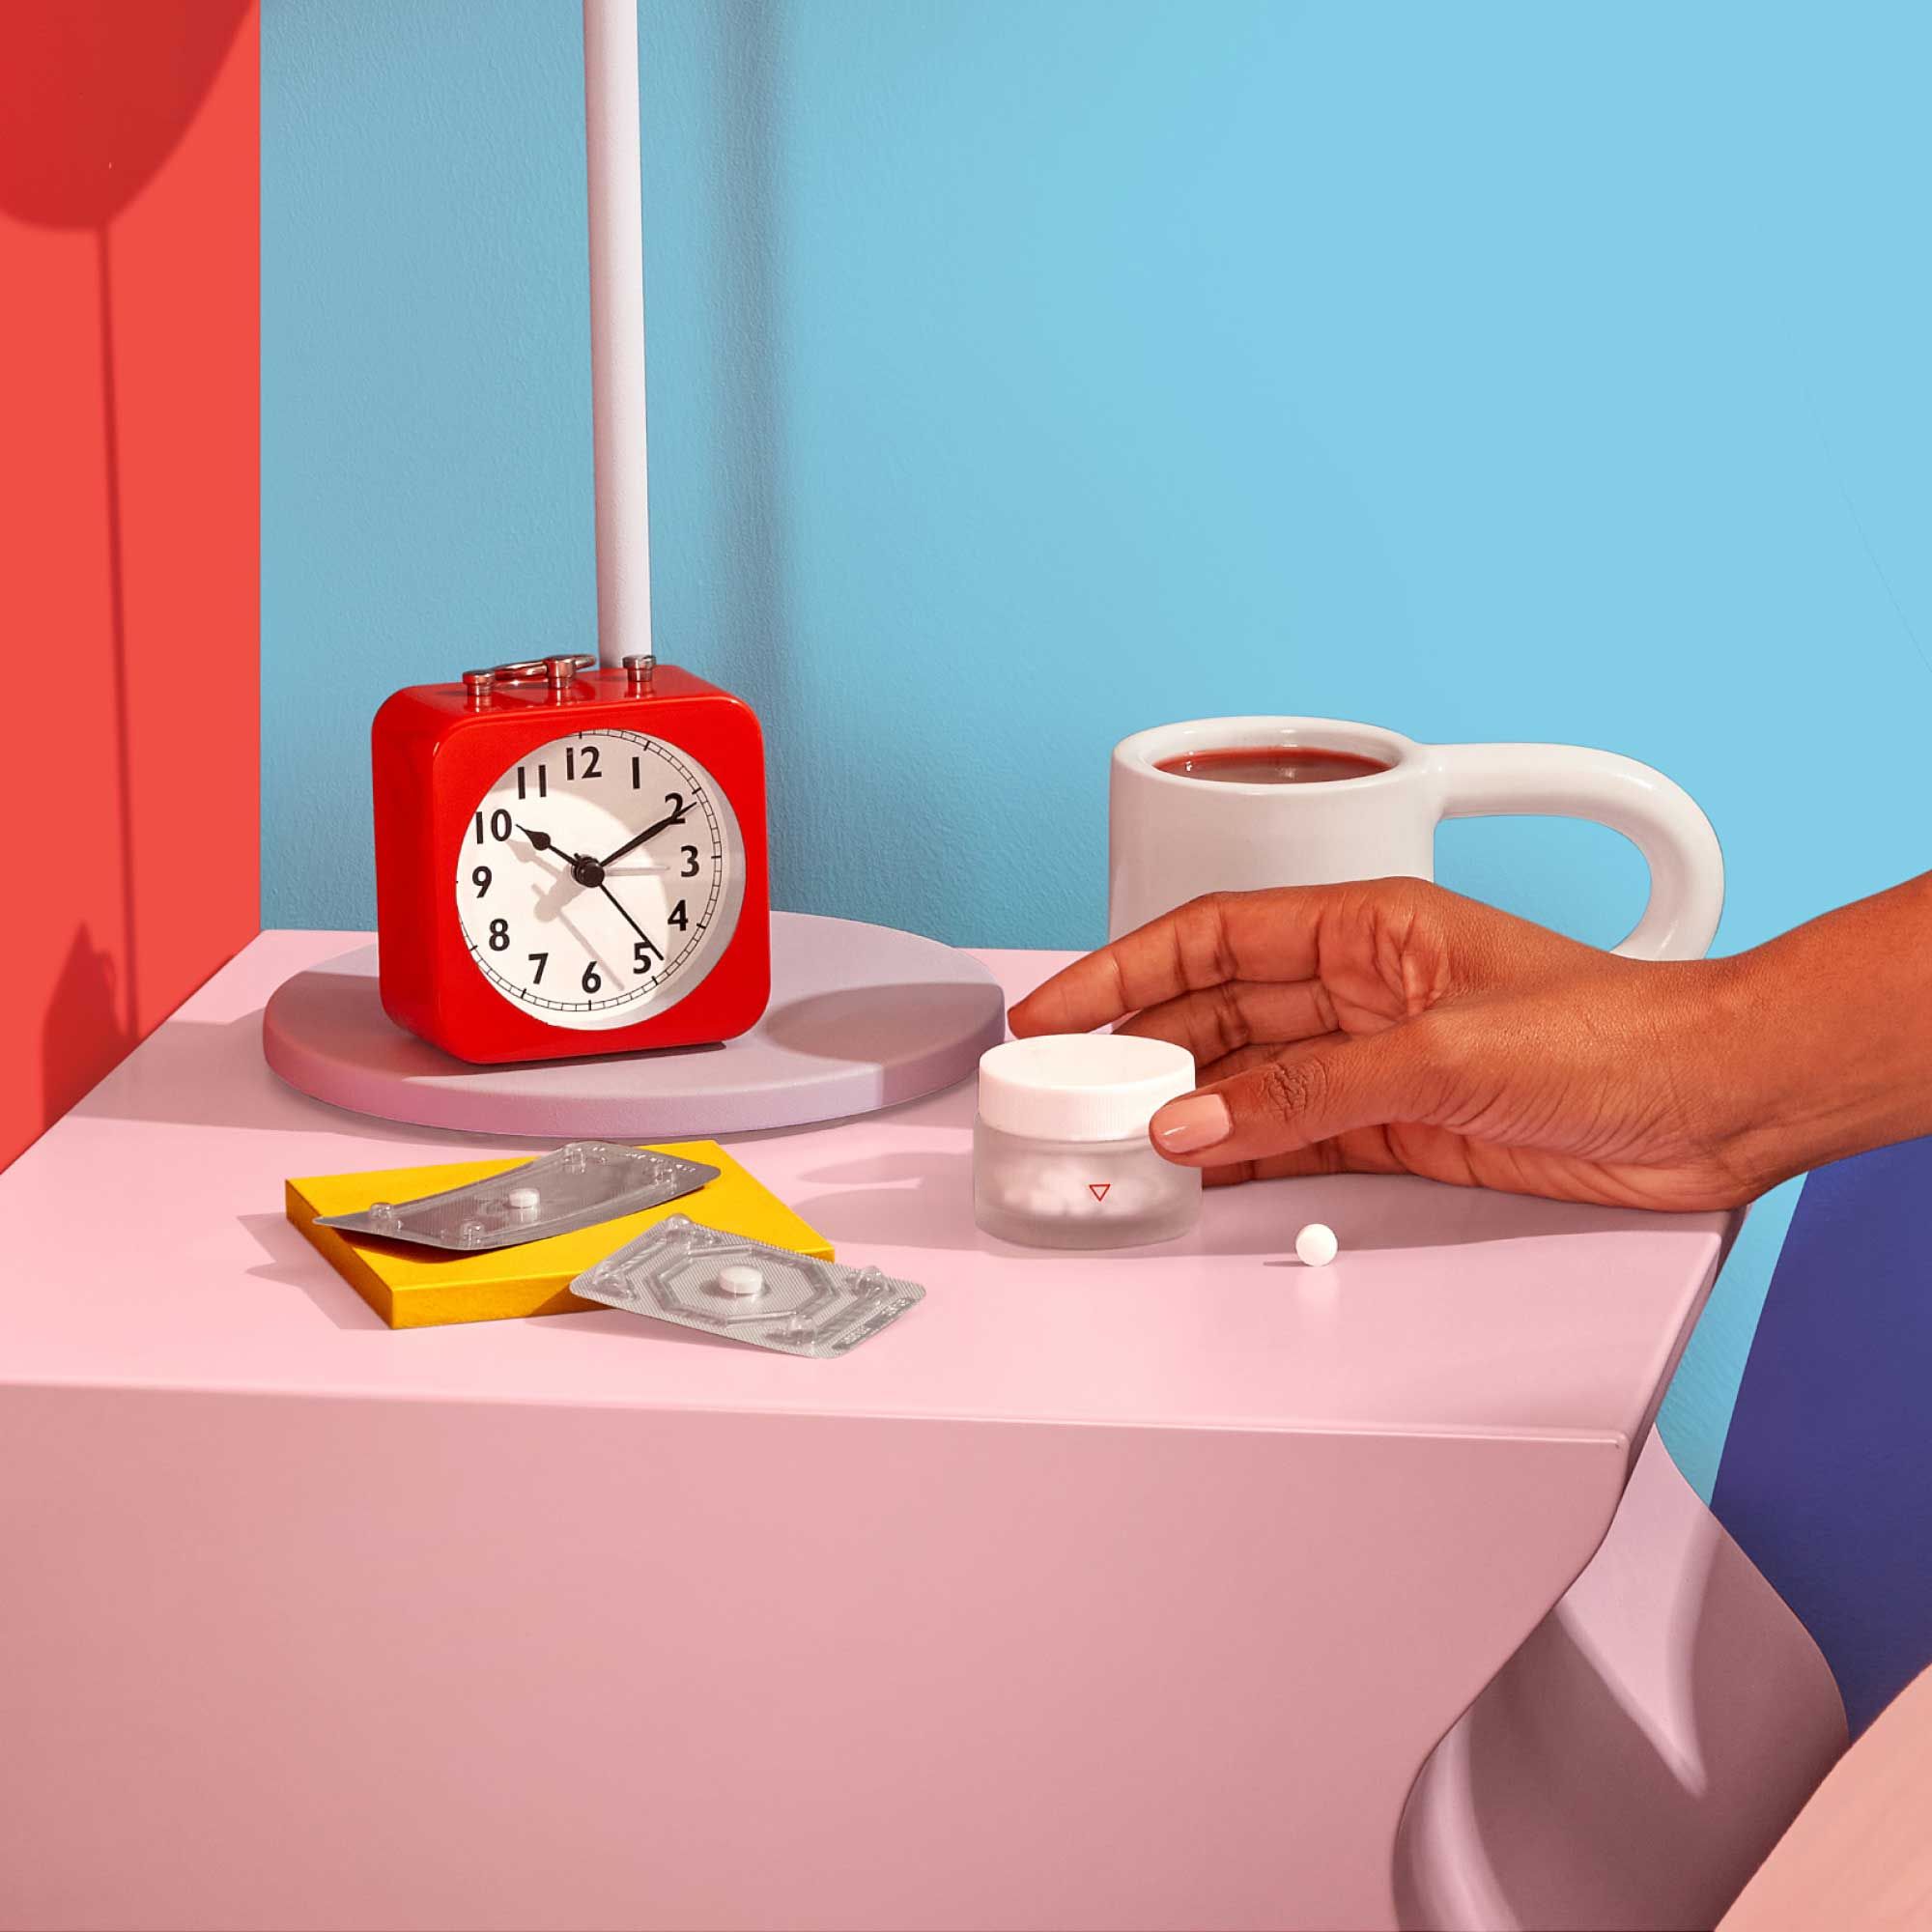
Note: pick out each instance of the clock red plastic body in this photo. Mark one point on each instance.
(438, 750)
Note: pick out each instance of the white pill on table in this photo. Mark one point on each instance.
(741, 1278)
(1316, 1245)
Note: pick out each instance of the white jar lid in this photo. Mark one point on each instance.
(1081, 1086)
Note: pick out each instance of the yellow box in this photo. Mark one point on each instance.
(422, 1288)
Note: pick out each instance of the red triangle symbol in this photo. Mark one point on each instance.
(1099, 1189)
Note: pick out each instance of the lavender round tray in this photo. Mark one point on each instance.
(860, 1017)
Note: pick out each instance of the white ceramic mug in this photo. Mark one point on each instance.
(1172, 837)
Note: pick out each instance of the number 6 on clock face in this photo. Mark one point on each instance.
(600, 879)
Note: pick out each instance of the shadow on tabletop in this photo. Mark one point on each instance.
(915, 1200)
(353, 995)
(293, 1264)
(617, 1321)
(893, 1023)
(208, 1073)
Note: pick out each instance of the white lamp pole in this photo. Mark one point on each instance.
(617, 329)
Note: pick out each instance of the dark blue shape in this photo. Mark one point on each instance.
(1826, 1472)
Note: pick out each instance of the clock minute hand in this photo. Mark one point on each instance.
(649, 832)
(627, 919)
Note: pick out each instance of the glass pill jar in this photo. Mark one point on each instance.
(1061, 1155)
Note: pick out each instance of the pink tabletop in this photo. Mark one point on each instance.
(147, 1246)
(515, 1626)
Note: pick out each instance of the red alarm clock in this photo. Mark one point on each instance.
(570, 861)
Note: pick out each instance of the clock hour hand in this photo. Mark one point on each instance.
(649, 832)
(544, 842)
(586, 872)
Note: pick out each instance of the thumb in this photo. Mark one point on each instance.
(1306, 1094)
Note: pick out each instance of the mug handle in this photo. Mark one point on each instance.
(1656, 814)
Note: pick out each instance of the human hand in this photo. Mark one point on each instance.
(1392, 1027)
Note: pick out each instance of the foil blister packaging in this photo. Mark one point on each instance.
(772, 1297)
(557, 1193)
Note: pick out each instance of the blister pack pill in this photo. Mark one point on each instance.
(557, 1193)
(772, 1297)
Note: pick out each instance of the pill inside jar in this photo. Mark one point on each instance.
(1061, 1155)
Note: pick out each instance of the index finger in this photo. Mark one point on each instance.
(1274, 934)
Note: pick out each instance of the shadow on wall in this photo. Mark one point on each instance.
(736, 442)
(84, 1022)
(95, 98)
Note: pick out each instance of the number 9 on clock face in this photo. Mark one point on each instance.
(600, 879)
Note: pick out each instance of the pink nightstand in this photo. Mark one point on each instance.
(1131, 1589)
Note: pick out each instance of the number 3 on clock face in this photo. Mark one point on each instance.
(600, 879)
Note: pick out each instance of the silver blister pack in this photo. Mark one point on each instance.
(557, 1193)
(772, 1297)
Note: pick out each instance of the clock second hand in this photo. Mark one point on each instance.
(579, 865)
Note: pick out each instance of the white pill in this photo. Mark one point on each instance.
(741, 1278)
(1316, 1245)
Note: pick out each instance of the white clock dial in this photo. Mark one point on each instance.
(600, 879)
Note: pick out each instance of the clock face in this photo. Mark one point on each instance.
(600, 879)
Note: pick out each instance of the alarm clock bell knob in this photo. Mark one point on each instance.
(479, 684)
(558, 673)
(640, 669)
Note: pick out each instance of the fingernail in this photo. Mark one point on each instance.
(1186, 1126)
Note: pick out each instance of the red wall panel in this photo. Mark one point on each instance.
(128, 525)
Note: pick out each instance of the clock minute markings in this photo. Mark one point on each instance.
(564, 875)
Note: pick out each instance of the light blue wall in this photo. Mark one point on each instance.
(1027, 371)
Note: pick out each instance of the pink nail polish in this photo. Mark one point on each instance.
(1186, 1126)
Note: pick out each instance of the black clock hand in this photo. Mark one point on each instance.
(586, 872)
(649, 832)
(544, 842)
(627, 919)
